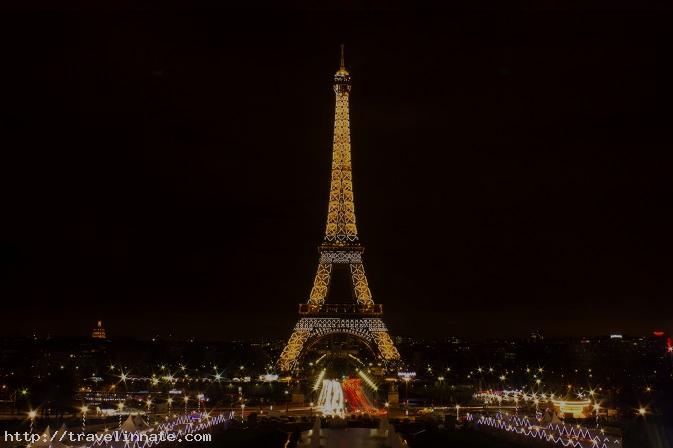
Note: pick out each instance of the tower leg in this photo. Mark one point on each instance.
(292, 350)
(386, 345)
(362, 293)
(320, 286)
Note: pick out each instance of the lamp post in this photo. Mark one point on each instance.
(457, 412)
(31, 415)
(170, 404)
(186, 399)
(242, 412)
(120, 408)
(406, 393)
(597, 407)
(441, 388)
(84, 410)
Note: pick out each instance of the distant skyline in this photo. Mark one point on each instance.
(168, 171)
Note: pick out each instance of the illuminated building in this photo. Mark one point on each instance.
(98, 332)
(573, 408)
(340, 250)
(536, 336)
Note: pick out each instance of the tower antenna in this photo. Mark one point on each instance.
(343, 65)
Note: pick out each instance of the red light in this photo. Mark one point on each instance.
(357, 400)
(658, 333)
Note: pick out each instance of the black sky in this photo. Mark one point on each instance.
(166, 169)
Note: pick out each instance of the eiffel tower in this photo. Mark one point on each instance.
(340, 251)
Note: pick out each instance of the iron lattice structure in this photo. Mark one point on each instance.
(340, 248)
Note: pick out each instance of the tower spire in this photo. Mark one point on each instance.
(342, 75)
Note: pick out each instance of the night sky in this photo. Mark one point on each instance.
(167, 170)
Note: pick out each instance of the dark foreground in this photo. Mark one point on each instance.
(417, 435)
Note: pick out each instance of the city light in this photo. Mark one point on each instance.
(558, 434)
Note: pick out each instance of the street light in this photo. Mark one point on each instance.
(84, 410)
(457, 412)
(597, 407)
(242, 412)
(120, 408)
(32, 414)
(406, 392)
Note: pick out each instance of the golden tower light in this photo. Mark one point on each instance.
(340, 246)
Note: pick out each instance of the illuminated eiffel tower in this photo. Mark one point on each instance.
(340, 250)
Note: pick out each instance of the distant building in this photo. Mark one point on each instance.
(98, 332)
(573, 408)
(536, 336)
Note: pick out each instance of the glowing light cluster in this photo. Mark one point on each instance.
(508, 396)
(292, 349)
(371, 330)
(560, 434)
(362, 293)
(340, 257)
(331, 399)
(341, 211)
(357, 400)
(320, 286)
(578, 408)
(340, 246)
